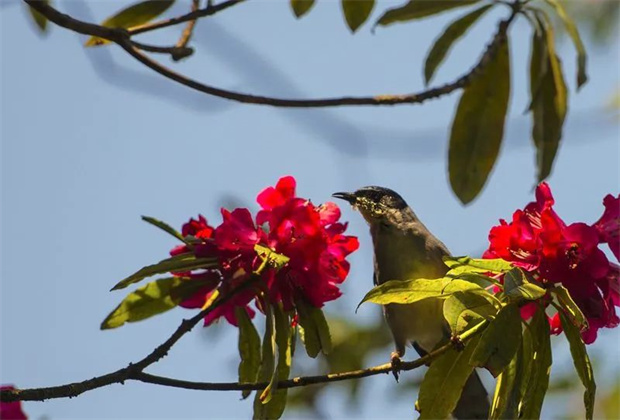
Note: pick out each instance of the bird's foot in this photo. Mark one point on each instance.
(457, 343)
(396, 364)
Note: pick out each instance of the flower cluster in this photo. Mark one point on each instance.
(309, 236)
(539, 241)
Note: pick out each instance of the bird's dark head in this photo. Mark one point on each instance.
(374, 203)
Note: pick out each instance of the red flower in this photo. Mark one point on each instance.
(11, 410)
(608, 226)
(309, 236)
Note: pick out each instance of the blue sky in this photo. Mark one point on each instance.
(91, 140)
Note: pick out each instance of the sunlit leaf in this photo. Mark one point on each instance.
(507, 394)
(499, 342)
(322, 328)
(152, 299)
(133, 16)
(464, 310)
(549, 99)
(356, 12)
(308, 330)
(573, 32)
(164, 226)
(301, 7)
(410, 291)
(539, 367)
(570, 307)
(249, 349)
(451, 34)
(478, 127)
(38, 18)
(416, 9)
(517, 286)
(466, 264)
(444, 382)
(271, 257)
(268, 363)
(582, 363)
(178, 263)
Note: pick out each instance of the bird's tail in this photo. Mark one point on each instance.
(474, 401)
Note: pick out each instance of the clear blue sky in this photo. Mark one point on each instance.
(91, 140)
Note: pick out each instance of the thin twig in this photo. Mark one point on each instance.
(122, 38)
(189, 30)
(138, 375)
(177, 52)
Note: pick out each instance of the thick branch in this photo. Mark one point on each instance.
(122, 38)
(39, 394)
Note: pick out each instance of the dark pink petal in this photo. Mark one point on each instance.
(608, 226)
(11, 410)
(329, 213)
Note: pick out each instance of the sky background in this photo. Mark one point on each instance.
(91, 140)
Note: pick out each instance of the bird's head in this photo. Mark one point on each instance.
(376, 204)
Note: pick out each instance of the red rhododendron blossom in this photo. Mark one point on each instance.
(608, 226)
(539, 241)
(309, 236)
(11, 410)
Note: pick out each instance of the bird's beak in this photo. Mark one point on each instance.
(351, 198)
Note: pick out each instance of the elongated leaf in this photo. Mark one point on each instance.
(444, 43)
(570, 307)
(268, 363)
(540, 367)
(135, 15)
(499, 342)
(473, 265)
(517, 286)
(308, 330)
(274, 408)
(356, 12)
(152, 299)
(478, 127)
(38, 18)
(164, 226)
(444, 381)
(573, 32)
(463, 310)
(178, 263)
(477, 278)
(582, 363)
(508, 389)
(549, 100)
(416, 9)
(322, 327)
(249, 349)
(410, 291)
(301, 7)
(271, 257)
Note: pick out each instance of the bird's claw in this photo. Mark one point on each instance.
(396, 363)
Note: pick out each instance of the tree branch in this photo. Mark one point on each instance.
(137, 374)
(122, 38)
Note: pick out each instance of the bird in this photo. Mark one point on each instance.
(405, 249)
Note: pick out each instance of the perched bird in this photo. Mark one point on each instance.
(405, 249)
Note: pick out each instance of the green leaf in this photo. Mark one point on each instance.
(152, 299)
(463, 310)
(301, 7)
(268, 363)
(508, 389)
(313, 329)
(135, 15)
(478, 127)
(573, 32)
(570, 307)
(38, 18)
(451, 34)
(356, 12)
(549, 99)
(539, 367)
(477, 278)
(164, 226)
(517, 286)
(499, 341)
(249, 349)
(410, 291)
(444, 382)
(322, 328)
(179, 263)
(416, 9)
(465, 264)
(271, 257)
(581, 361)
(274, 407)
